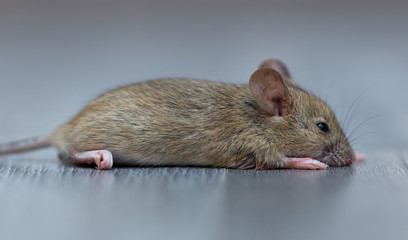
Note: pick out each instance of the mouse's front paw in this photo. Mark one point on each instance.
(360, 157)
(306, 164)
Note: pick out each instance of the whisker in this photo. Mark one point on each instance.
(333, 153)
(341, 160)
(328, 90)
(361, 135)
(365, 121)
(345, 120)
(355, 144)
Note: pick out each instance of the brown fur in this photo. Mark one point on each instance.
(202, 123)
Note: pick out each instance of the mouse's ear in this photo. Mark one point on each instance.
(269, 90)
(278, 66)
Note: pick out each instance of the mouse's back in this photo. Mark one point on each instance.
(156, 122)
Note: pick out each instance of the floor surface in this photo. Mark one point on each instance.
(43, 199)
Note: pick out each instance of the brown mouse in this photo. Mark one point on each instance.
(270, 123)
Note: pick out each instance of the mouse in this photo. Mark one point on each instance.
(268, 123)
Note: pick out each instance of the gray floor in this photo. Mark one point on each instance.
(42, 199)
(55, 56)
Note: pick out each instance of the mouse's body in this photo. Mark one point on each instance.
(164, 122)
(270, 123)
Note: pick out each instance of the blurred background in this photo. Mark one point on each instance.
(57, 55)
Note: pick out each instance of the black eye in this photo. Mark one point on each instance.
(323, 127)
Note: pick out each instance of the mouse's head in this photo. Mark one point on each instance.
(305, 124)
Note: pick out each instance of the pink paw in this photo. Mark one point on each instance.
(102, 158)
(360, 157)
(306, 163)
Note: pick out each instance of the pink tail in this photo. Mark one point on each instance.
(25, 145)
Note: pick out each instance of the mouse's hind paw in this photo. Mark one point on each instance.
(102, 158)
(105, 160)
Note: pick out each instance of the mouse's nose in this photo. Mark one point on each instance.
(338, 155)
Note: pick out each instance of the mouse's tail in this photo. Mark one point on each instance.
(25, 145)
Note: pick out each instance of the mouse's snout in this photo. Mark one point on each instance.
(338, 154)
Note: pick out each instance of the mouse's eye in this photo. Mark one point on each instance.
(323, 127)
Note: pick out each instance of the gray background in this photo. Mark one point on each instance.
(56, 56)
